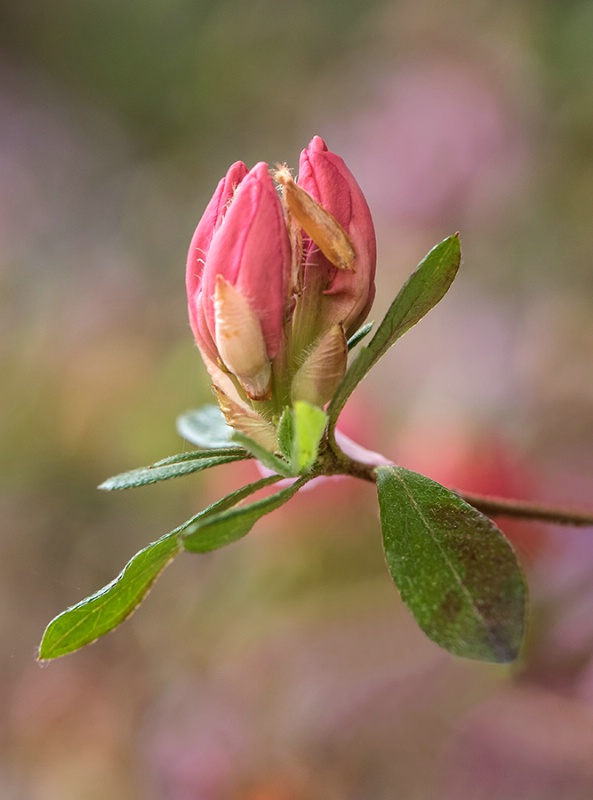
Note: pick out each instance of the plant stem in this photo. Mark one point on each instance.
(501, 507)
(491, 506)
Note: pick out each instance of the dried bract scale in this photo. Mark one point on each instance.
(322, 369)
(319, 224)
(245, 419)
(240, 340)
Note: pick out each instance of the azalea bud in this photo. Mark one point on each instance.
(198, 250)
(237, 278)
(276, 284)
(341, 295)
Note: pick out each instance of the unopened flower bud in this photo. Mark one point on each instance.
(198, 251)
(346, 294)
(237, 277)
(277, 284)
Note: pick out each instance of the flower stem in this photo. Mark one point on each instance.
(502, 507)
(340, 463)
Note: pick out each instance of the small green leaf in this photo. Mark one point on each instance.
(164, 471)
(454, 569)
(286, 432)
(205, 427)
(359, 335)
(193, 455)
(309, 426)
(422, 291)
(221, 529)
(106, 609)
(264, 456)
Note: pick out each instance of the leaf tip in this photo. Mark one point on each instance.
(47, 651)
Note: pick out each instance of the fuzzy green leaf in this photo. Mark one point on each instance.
(454, 569)
(422, 291)
(309, 426)
(218, 530)
(172, 467)
(193, 455)
(205, 427)
(264, 456)
(106, 609)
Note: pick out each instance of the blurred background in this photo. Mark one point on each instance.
(285, 667)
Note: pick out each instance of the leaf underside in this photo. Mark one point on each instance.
(205, 428)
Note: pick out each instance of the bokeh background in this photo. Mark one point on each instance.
(285, 667)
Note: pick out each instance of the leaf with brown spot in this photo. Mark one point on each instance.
(454, 569)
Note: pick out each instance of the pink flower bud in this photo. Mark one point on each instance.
(276, 285)
(347, 294)
(242, 239)
(198, 250)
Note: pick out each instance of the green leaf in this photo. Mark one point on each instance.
(221, 529)
(454, 569)
(422, 291)
(359, 335)
(166, 469)
(264, 456)
(309, 426)
(193, 455)
(106, 609)
(205, 427)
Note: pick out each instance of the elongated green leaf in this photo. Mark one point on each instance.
(194, 455)
(454, 569)
(106, 609)
(218, 530)
(101, 612)
(422, 291)
(264, 456)
(163, 472)
(205, 427)
(309, 426)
